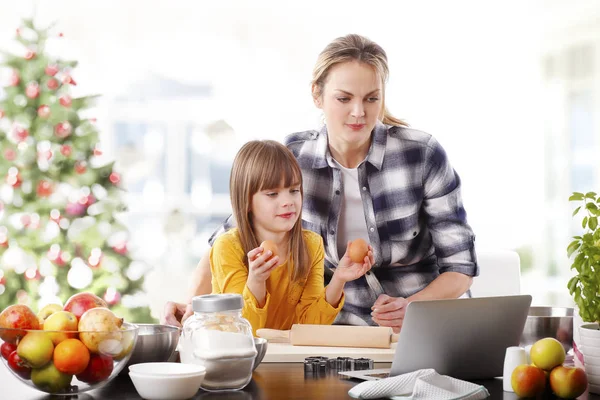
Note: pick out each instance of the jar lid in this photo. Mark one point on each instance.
(217, 302)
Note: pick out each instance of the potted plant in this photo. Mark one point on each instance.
(584, 286)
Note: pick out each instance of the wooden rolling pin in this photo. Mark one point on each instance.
(332, 335)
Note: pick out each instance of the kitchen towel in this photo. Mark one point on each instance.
(425, 384)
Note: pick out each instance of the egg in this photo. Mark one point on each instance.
(357, 251)
(269, 245)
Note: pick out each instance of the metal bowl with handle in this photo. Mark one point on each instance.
(156, 343)
(546, 321)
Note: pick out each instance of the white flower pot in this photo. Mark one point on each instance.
(589, 345)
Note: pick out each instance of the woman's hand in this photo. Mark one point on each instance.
(347, 270)
(389, 311)
(176, 313)
(259, 270)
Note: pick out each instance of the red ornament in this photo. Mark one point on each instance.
(2, 113)
(44, 189)
(20, 133)
(14, 78)
(3, 243)
(115, 178)
(93, 120)
(65, 100)
(32, 274)
(63, 129)
(112, 296)
(52, 84)
(75, 209)
(87, 200)
(66, 150)
(80, 167)
(29, 55)
(26, 220)
(32, 90)
(60, 34)
(43, 111)
(97, 151)
(14, 180)
(46, 154)
(10, 154)
(68, 80)
(51, 69)
(3, 279)
(121, 248)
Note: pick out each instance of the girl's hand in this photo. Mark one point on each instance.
(259, 270)
(347, 270)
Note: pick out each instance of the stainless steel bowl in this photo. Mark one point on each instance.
(543, 321)
(261, 348)
(155, 343)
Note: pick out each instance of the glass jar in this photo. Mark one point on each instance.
(219, 338)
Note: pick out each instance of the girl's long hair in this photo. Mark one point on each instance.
(262, 165)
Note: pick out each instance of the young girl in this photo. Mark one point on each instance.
(286, 287)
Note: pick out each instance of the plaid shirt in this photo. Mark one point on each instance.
(412, 207)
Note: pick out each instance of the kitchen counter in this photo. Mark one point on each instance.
(276, 381)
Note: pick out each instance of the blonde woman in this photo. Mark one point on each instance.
(367, 174)
(282, 285)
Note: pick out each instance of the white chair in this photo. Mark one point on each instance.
(499, 273)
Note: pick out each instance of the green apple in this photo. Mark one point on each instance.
(50, 379)
(36, 349)
(47, 311)
(547, 353)
(64, 321)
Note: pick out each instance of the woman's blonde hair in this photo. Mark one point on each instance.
(354, 48)
(262, 165)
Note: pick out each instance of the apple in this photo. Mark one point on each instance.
(47, 311)
(547, 353)
(18, 366)
(17, 317)
(6, 349)
(568, 382)
(61, 321)
(98, 325)
(36, 349)
(50, 379)
(99, 368)
(81, 302)
(528, 380)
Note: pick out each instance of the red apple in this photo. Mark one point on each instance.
(81, 302)
(568, 382)
(17, 317)
(6, 349)
(99, 368)
(528, 380)
(19, 366)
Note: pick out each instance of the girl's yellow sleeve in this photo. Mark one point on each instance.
(229, 275)
(312, 307)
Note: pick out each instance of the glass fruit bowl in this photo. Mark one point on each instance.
(66, 362)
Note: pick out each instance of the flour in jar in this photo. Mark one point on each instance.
(227, 356)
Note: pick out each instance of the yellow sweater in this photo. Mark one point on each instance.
(286, 302)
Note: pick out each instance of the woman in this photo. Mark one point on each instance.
(366, 174)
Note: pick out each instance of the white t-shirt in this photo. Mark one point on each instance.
(352, 224)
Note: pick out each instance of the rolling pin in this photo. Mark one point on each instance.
(332, 335)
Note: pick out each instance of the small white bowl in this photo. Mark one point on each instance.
(166, 381)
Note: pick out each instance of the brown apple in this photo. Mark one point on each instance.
(528, 380)
(16, 318)
(79, 303)
(568, 382)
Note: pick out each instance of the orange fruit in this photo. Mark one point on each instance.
(71, 356)
(358, 250)
(269, 245)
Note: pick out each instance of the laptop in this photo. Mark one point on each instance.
(463, 338)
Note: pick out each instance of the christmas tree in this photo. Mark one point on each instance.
(59, 202)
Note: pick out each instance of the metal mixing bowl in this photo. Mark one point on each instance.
(261, 348)
(155, 343)
(544, 321)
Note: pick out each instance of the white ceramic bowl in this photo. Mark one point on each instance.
(166, 380)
